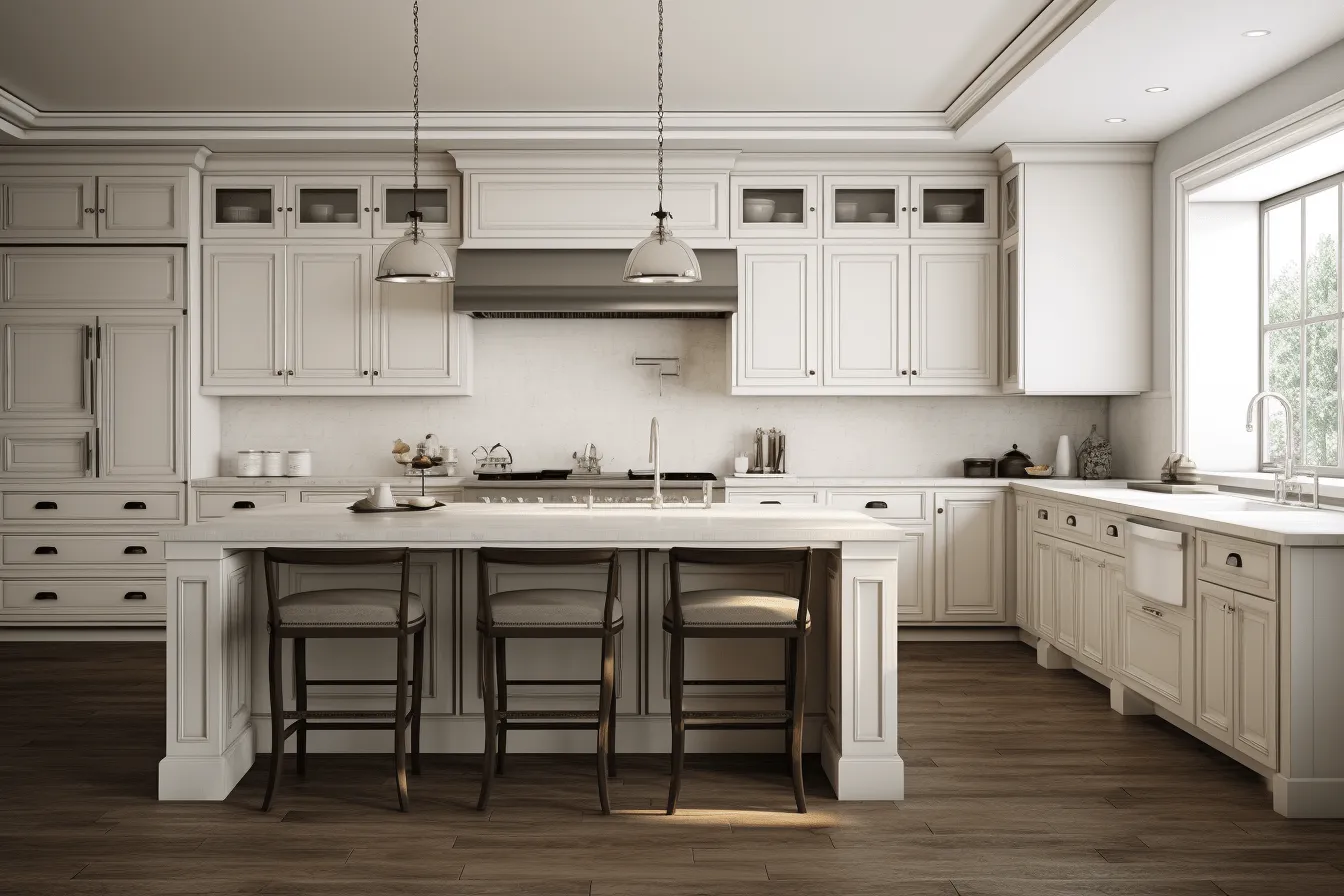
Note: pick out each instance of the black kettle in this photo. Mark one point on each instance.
(1013, 465)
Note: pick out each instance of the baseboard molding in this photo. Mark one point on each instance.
(957, 633)
(82, 633)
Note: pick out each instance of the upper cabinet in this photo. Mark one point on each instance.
(859, 206)
(774, 207)
(120, 208)
(328, 206)
(943, 206)
(777, 327)
(953, 315)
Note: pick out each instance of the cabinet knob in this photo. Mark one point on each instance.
(244, 505)
(102, 211)
(88, 211)
(811, 373)
(290, 372)
(363, 373)
(376, 372)
(811, 208)
(134, 595)
(45, 505)
(46, 549)
(375, 208)
(280, 208)
(279, 373)
(905, 373)
(914, 208)
(904, 209)
(1234, 560)
(940, 510)
(914, 373)
(133, 505)
(366, 208)
(45, 595)
(135, 549)
(289, 208)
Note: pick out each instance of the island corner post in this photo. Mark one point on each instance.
(217, 707)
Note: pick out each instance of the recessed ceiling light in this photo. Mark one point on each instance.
(1259, 32)
(1155, 89)
(1115, 121)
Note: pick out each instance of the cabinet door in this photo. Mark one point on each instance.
(1021, 564)
(969, 540)
(48, 365)
(439, 199)
(329, 316)
(48, 278)
(243, 327)
(1010, 316)
(241, 206)
(414, 335)
(1257, 678)
(1115, 594)
(1215, 687)
(857, 206)
(47, 207)
(140, 397)
(142, 208)
(1043, 584)
(1092, 608)
(1157, 654)
(774, 207)
(865, 313)
(1066, 598)
(46, 451)
(915, 559)
(954, 206)
(953, 315)
(776, 323)
(329, 206)
(1010, 186)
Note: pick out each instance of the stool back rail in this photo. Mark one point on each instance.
(790, 719)
(499, 719)
(407, 627)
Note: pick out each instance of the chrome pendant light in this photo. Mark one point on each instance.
(661, 257)
(413, 258)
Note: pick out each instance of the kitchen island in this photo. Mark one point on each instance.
(218, 708)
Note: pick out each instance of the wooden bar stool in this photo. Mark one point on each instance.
(739, 613)
(344, 613)
(547, 613)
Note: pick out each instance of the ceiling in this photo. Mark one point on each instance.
(789, 75)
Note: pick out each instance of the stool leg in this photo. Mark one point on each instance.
(418, 671)
(604, 706)
(677, 669)
(611, 735)
(790, 685)
(502, 683)
(796, 730)
(277, 722)
(491, 720)
(403, 798)
(301, 703)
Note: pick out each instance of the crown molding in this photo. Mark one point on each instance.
(641, 161)
(1010, 154)
(865, 162)
(83, 156)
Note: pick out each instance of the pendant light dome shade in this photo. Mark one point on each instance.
(662, 258)
(414, 259)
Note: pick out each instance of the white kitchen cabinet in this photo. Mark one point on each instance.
(243, 325)
(1010, 216)
(756, 496)
(1010, 315)
(1021, 566)
(243, 206)
(142, 208)
(915, 562)
(52, 450)
(776, 328)
(328, 315)
(48, 365)
(969, 580)
(1091, 584)
(141, 403)
(794, 213)
(953, 315)
(439, 199)
(865, 316)
(1216, 686)
(1156, 654)
(1257, 678)
(1042, 573)
(329, 206)
(48, 207)
(415, 335)
(1115, 595)
(1066, 561)
(944, 206)
(49, 278)
(860, 206)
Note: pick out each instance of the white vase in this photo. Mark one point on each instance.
(1064, 459)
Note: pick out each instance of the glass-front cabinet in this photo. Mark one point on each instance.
(946, 205)
(862, 206)
(439, 199)
(768, 206)
(330, 206)
(241, 206)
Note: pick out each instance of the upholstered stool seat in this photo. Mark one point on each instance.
(349, 606)
(736, 606)
(552, 606)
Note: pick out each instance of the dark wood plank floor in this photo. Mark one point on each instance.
(1020, 781)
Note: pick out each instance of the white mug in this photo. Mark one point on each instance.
(740, 464)
(382, 496)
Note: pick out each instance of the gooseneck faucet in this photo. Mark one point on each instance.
(657, 469)
(1283, 477)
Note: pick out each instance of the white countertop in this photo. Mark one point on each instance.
(473, 525)
(408, 483)
(861, 482)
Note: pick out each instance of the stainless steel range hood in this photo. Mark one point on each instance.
(586, 283)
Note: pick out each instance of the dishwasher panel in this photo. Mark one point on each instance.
(1155, 568)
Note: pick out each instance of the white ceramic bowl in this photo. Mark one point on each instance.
(787, 217)
(320, 212)
(846, 211)
(879, 217)
(758, 211)
(949, 214)
(241, 214)
(421, 501)
(345, 217)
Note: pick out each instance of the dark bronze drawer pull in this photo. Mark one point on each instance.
(1234, 560)
(46, 549)
(135, 595)
(244, 505)
(769, 502)
(876, 505)
(1042, 514)
(134, 505)
(45, 595)
(1070, 520)
(135, 549)
(45, 505)
(1112, 532)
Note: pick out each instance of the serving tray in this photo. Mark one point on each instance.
(400, 508)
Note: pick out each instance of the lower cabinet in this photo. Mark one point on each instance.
(1091, 583)
(1238, 670)
(1156, 654)
(969, 577)
(1042, 584)
(1215, 606)
(915, 592)
(1066, 562)
(1020, 562)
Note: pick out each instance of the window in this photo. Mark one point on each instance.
(1300, 323)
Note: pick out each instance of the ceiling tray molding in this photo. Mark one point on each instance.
(637, 160)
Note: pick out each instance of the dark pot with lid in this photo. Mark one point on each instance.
(1013, 464)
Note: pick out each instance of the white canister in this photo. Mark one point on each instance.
(248, 463)
(1064, 459)
(272, 463)
(298, 462)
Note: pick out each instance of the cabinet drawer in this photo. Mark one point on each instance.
(1076, 524)
(83, 550)
(1111, 533)
(211, 505)
(57, 596)
(1243, 565)
(762, 497)
(347, 497)
(902, 506)
(121, 507)
(1043, 516)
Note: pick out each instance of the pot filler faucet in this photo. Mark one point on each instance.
(657, 470)
(1284, 475)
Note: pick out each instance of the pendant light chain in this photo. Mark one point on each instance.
(415, 127)
(660, 116)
